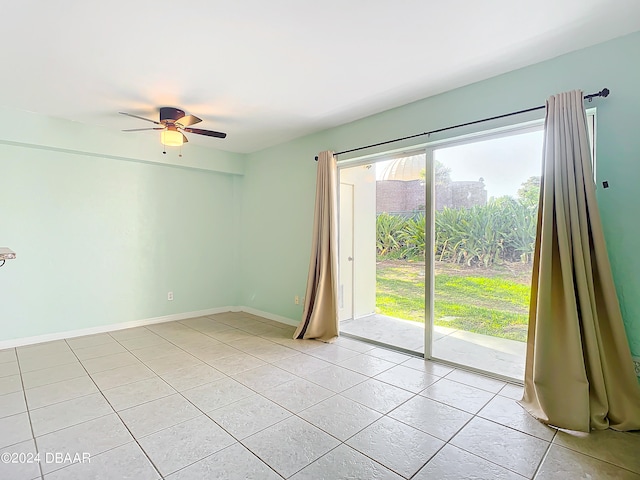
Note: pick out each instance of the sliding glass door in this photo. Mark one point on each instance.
(482, 225)
(436, 248)
(382, 246)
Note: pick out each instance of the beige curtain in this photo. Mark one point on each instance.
(579, 374)
(320, 316)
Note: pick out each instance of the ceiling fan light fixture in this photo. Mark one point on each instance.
(171, 138)
(174, 123)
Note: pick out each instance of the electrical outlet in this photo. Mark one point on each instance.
(170, 296)
(296, 300)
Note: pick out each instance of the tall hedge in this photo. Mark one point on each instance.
(502, 230)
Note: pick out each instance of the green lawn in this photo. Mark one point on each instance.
(491, 302)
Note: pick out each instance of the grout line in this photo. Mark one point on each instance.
(544, 456)
(635, 472)
(101, 392)
(26, 404)
(124, 424)
(322, 456)
(51, 366)
(75, 424)
(55, 382)
(199, 409)
(63, 401)
(477, 415)
(293, 414)
(250, 335)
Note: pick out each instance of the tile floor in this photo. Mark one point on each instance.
(232, 396)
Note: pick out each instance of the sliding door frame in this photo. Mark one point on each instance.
(429, 148)
(430, 242)
(429, 251)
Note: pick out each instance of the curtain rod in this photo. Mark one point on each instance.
(602, 93)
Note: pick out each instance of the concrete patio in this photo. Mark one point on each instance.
(496, 355)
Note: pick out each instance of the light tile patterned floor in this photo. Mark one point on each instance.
(232, 396)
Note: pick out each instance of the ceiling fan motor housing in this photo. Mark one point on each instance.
(170, 114)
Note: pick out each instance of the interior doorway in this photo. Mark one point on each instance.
(387, 265)
(345, 249)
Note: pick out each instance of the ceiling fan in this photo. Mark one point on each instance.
(173, 123)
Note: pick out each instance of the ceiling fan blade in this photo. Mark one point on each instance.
(142, 129)
(170, 114)
(184, 138)
(208, 133)
(188, 120)
(141, 118)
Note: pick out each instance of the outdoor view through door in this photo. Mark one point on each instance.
(383, 235)
(469, 203)
(480, 228)
(486, 194)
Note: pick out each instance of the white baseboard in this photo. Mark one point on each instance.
(270, 316)
(20, 342)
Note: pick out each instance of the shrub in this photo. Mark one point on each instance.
(502, 230)
(388, 228)
(412, 236)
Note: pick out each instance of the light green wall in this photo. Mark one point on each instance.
(31, 130)
(104, 224)
(279, 182)
(102, 237)
(275, 238)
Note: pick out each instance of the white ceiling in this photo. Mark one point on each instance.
(269, 71)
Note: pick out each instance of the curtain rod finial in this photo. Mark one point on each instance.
(316, 158)
(604, 92)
